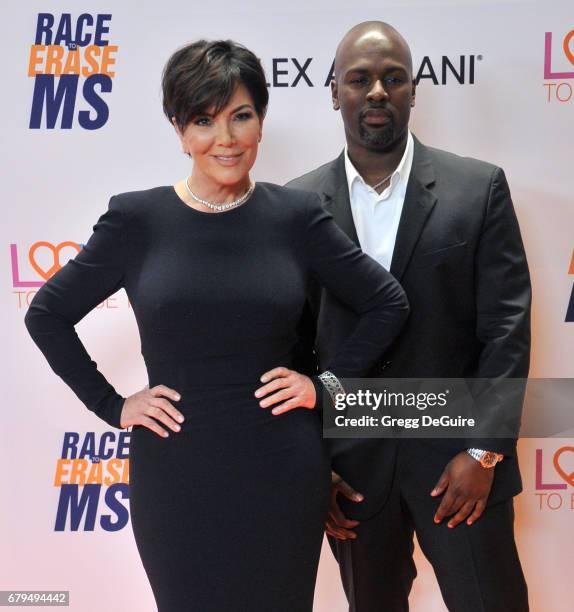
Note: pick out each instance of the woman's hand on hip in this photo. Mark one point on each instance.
(287, 388)
(148, 406)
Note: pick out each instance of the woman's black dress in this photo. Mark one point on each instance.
(227, 514)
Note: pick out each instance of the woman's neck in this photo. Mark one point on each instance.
(217, 193)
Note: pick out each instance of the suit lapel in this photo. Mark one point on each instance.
(419, 202)
(335, 195)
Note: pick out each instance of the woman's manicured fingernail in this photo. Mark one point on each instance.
(180, 418)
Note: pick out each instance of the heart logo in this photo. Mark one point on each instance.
(566, 476)
(46, 274)
(566, 47)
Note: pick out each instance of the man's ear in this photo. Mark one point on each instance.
(335, 94)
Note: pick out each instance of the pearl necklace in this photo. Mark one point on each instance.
(220, 207)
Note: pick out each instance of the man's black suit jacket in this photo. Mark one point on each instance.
(460, 259)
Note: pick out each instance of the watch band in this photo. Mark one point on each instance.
(475, 453)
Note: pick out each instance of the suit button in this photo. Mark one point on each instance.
(386, 365)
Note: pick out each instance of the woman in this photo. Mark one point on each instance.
(227, 499)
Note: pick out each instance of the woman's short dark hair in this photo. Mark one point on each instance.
(202, 77)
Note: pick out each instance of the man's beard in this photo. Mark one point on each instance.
(376, 137)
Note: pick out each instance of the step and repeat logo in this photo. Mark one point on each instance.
(570, 307)
(72, 63)
(43, 260)
(92, 474)
(439, 70)
(32, 266)
(559, 66)
(554, 478)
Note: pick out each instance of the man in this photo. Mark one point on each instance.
(446, 227)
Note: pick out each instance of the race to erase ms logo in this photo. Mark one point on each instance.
(559, 66)
(554, 478)
(72, 64)
(92, 474)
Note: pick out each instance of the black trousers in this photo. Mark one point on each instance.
(477, 567)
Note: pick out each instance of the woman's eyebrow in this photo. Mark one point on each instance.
(241, 107)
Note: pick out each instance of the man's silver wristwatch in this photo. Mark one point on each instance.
(487, 459)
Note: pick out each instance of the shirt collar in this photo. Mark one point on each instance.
(400, 175)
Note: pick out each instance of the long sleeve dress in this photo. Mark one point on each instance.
(228, 513)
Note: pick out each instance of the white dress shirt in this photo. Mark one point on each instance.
(377, 216)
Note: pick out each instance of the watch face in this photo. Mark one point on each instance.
(489, 459)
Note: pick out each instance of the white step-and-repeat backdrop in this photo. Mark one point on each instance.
(496, 81)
